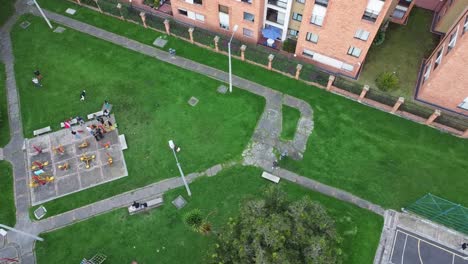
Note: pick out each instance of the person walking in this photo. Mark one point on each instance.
(80, 120)
(83, 95)
(464, 246)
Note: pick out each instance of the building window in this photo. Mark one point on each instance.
(372, 10)
(322, 2)
(452, 41)
(249, 17)
(438, 58)
(347, 67)
(248, 33)
(278, 3)
(293, 32)
(308, 53)
(183, 12)
(362, 34)
(312, 37)
(318, 15)
(198, 2)
(301, 1)
(223, 17)
(297, 17)
(353, 51)
(247, 1)
(199, 17)
(427, 73)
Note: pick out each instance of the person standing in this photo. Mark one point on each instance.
(38, 75)
(83, 95)
(464, 246)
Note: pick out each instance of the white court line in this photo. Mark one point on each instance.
(419, 251)
(434, 245)
(404, 249)
(453, 259)
(393, 247)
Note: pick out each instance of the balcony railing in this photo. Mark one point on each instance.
(278, 3)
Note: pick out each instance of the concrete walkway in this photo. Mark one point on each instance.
(266, 135)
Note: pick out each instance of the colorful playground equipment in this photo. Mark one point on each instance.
(37, 149)
(83, 145)
(64, 166)
(106, 145)
(59, 149)
(110, 161)
(36, 165)
(38, 180)
(87, 159)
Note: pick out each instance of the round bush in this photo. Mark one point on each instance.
(387, 81)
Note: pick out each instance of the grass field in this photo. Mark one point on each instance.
(290, 118)
(377, 156)
(4, 127)
(6, 11)
(149, 101)
(125, 238)
(7, 204)
(402, 52)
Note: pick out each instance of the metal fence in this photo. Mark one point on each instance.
(442, 211)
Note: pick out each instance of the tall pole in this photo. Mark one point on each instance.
(21, 232)
(172, 146)
(43, 15)
(229, 51)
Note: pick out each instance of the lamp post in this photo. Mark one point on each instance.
(234, 29)
(131, 5)
(43, 15)
(172, 146)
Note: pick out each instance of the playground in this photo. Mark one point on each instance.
(61, 164)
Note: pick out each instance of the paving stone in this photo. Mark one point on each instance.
(91, 178)
(222, 89)
(63, 219)
(70, 11)
(160, 42)
(179, 202)
(25, 24)
(59, 30)
(82, 213)
(193, 101)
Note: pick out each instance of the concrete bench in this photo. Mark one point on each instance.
(151, 204)
(74, 121)
(270, 177)
(42, 131)
(97, 114)
(123, 142)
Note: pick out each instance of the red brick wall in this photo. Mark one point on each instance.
(429, 4)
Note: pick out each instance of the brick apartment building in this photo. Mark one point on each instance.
(334, 35)
(443, 80)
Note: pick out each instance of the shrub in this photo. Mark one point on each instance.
(289, 45)
(195, 221)
(379, 38)
(156, 4)
(387, 81)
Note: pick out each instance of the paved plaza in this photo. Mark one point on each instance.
(61, 149)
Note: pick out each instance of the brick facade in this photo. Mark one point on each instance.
(446, 84)
(336, 35)
(210, 10)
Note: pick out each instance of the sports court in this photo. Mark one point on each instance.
(409, 248)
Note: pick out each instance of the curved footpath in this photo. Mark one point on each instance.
(259, 153)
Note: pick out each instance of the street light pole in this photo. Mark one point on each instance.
(234, 29)
(21, 232)
(43, 15)
(172, 146)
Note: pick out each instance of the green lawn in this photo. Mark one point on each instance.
(7, 204)
(4, 127)
(290, 118)
(380, 157)
(402, 52)
(149, 101)
(6, 11)
(124, 238)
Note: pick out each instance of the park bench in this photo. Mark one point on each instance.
(72, 122)
(153, 203)
(123, 142)
(270, 177)
(42, 131)
(94, 115)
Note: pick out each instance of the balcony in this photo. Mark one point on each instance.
(275, 16)
(278, 3)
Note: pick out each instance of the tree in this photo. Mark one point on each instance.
(276, 230)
